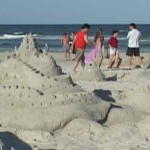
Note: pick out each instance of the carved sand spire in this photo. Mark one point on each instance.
(27, 47)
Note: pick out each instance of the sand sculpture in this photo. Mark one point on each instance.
(91, 73)
(36, 97)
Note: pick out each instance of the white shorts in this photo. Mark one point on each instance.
(113, 51)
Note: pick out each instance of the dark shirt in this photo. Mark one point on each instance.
(113, 42)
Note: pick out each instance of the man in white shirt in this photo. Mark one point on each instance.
(133, 45)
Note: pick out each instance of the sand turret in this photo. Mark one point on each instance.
(27, 47)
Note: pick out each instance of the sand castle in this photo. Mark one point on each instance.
(36, 97)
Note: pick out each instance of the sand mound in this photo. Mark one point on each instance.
(125, 114)
(86, 134)
(90, 73)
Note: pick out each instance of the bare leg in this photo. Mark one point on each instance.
(100, 63)
(116, 60)
(111, 60)
(79, 58)
(83, 64)
(83, 61)
(68, 55)
(140, 61)
(130, 61)
(76, 65)
(65, 56)
(74, 57)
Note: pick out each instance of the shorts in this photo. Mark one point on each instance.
(113, 51)
(80, 55)
(133, 52)
(66, 48)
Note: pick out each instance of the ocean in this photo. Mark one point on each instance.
(11, 35)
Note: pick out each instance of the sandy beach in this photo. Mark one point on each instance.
(74, 75)
(45, 106)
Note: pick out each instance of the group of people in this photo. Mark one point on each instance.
(79, 42)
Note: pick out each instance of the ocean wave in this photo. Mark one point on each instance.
(123, 38)
(18, 35)
(120, 38)
(9, 36)
(145, 40)
(48, 37)
(58, 37)
(121, 31)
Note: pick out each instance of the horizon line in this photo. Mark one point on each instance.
(73, 24)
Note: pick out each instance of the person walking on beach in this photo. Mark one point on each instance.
(114, 53)
(80, 42)
(100, 56)
(133, 45)
(95, 54)
(66, 46)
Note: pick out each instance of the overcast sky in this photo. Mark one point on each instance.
(74, 11)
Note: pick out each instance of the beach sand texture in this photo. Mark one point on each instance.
(43, 105)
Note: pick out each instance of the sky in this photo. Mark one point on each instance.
(74, 11)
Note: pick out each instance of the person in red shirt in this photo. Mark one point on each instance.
(114, 54)
(80, 42)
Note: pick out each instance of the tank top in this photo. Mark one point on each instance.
(80, 42)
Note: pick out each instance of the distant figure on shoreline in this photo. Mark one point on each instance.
(66, 46)
(133, 45)
(95, 54)
(114, 59)
(46, 48)
(73, 34)
(81, 41)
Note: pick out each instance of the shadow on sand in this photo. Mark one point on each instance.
(103, 121)
(105, 95)
(114, 78)
(11, 142)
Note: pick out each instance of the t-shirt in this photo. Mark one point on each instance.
(134, 37)
(113, 42)
(80, 41)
